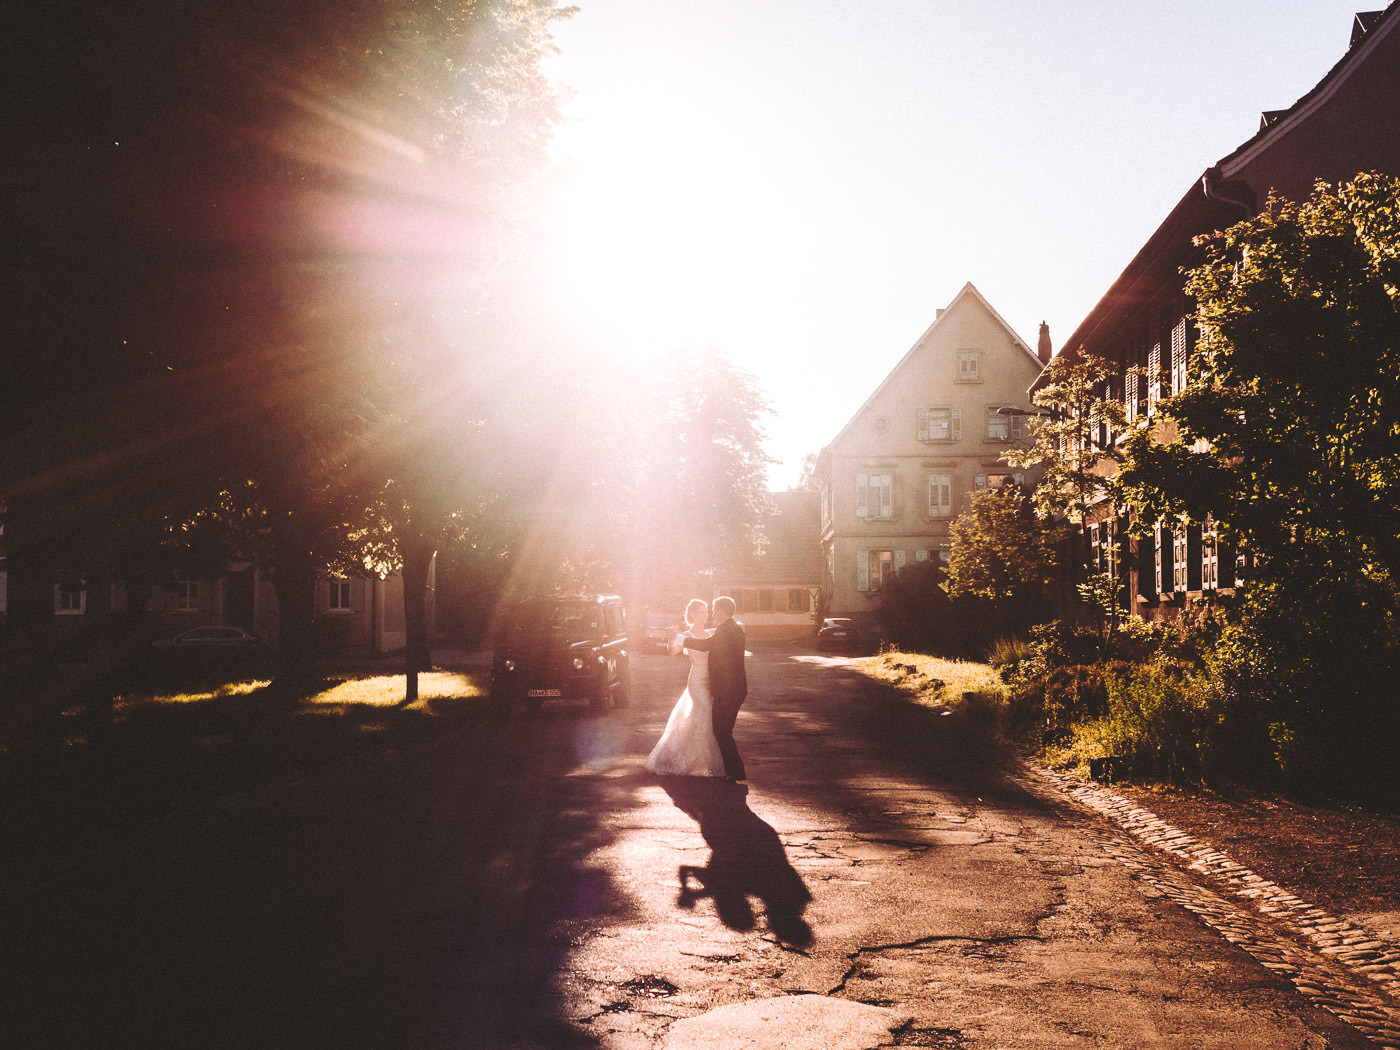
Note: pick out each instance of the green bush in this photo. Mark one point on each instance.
(1043, 711)
(1157, 723)
(1303, 686)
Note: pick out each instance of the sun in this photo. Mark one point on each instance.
(663, 232)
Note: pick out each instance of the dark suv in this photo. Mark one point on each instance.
(564, 648)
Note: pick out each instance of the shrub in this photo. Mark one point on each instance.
(1156, 722)
(1044, 711)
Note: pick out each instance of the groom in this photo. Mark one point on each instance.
(728, 682)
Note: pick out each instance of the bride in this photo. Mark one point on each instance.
(688, 747)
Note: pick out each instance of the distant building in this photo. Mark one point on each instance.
(778, 591)
(934, 430)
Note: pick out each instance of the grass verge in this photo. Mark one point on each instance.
(964, 687)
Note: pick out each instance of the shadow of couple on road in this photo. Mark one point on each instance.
(746, 860)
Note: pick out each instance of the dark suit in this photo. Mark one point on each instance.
(729, 685)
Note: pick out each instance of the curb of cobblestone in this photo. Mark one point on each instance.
(1317, 951)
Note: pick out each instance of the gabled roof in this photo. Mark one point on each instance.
(1369, 29)
(968, 292)
(1218, 198)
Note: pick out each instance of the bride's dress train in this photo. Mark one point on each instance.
(687, 746)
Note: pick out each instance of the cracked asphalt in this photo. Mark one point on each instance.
(887, 878)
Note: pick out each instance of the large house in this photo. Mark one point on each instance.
(934, 430)
(1348, 123)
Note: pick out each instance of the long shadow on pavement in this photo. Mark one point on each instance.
(747, 859)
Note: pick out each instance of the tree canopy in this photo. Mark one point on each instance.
(1289, 427)
(1000, 550)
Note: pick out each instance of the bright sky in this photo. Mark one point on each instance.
(802, 183)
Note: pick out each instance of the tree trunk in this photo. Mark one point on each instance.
(294, 579)
(418, 553)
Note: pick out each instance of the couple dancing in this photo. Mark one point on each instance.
(699, 736)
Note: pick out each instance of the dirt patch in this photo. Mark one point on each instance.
(1346, 861)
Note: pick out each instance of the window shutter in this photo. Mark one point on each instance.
(923, 424)
(898, 560)
(359, 590)
(862, 570)
(862, 497)
(1179, 356)
(1154, 377)
(886, 496)
(980, 481)
(1018, 427)
(956, 424)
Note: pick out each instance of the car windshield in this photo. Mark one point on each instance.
(554, 619)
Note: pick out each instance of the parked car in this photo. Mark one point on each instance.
(211, 639)
(836, 632)
(657, 633)
(563, 648)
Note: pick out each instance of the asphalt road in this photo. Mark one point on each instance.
(885, 879)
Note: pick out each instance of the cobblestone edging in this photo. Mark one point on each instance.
(1334, 963)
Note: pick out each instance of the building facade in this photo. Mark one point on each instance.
(899, 472)
(779, 591)
(1348, 123)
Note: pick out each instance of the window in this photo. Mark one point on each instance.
(969, 366)
(999, 480)
(798, 600)
(340, 596)
(940, 424)
(1180, 562)
(765, 600)
(998, 426)
(1179, 335)
(187, 595)
(1210, 557)
(940, 495)
(874, 495)
(873, 568)
(1160, 539)
(70, 598)
(1002, 427)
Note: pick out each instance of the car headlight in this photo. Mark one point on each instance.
(578, 663)
(508, 665)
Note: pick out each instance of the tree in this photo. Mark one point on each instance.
(1287, 437)
(224, 212)
(1000, 551)
(807, 478)
(1289, 428)
(699, 489)
(1072, 441)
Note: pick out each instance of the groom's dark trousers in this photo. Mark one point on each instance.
(729, 686)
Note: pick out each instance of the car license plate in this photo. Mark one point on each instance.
(544, 692)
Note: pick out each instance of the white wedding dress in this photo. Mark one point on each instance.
(687, 746)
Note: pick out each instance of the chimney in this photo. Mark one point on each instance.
(1042, 349)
